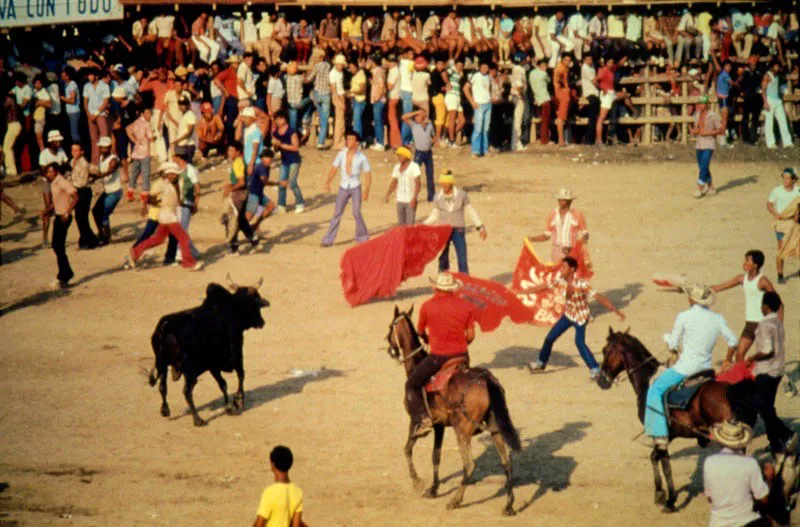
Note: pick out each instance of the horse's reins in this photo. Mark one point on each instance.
(396, 345)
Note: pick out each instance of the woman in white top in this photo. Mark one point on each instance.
(773, 108)
(109, 172)
(755, 285)
(784, 206)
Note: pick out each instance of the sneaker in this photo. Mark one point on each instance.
(254, 240)
(536, 366)
(594, 372)
(378, 148)
(712, 191)
(129, 194)
(299, 209)
(197, 267)
(522, 148)
(781, 280)
(453, 145)
(280, 210)
(55, 285)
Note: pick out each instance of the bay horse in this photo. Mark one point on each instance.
(625, 353)
(472, 401)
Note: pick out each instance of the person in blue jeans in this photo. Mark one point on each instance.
(576, 293)
(450, 207)
(286, 140)
(424, 134)
(478, 93)
(707, 126)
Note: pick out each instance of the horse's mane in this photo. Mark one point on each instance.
(416, 341)
(634, 344)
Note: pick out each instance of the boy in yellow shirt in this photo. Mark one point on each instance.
(281, 503)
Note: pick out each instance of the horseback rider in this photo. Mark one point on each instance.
(696, 330)
(447, 323)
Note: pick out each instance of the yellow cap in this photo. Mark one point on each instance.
(447, 178)
(403, 151)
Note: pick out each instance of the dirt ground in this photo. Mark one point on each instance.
(83, 442)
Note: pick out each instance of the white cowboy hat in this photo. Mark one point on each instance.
(170, 168)
(565, 193)
(54, 135)
(249, 112)
(339, 59)
(700, 294)
(445, 282)
(104, 142)
(732, 434)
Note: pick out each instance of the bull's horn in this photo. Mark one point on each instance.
(260, 282)
(230, 282)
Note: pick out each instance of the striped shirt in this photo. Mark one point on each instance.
(321, 77)
(455, 81)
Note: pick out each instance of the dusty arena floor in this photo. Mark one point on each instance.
(83, 442)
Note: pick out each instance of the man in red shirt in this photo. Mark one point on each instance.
(563, 95)
(227, 82)
(604, 80)
(447, 323)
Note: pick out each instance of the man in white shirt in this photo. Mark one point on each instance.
(352, 164)
(405, 179)
(406, 69)
(733, 481)
(245, 81)
(591, 93)
(696, 330)
(518, 98)
(688, 35)
(598, 33)
(336, 78)
(184, 143)
(633, 33)
(539, 80)
(559, 42)
(539, 37)
(578, 33)
(478, 93)
(742, 31)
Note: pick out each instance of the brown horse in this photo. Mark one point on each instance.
(472, 401)
(710, 405)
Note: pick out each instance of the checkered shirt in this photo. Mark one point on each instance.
(294, 89)
(577, 304)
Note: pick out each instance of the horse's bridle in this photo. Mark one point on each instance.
(628, 371)
(395, 346)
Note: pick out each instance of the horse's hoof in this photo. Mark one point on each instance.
(200, 422)
(418, 485)
(431, 493)
(508, 511)
(660, 498)
(165, 411)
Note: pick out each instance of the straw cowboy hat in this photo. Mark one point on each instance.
(565, 194)
(447, 178)
(104, 142)
(732, 434)
(180, 71)
(404, 152)
(700, 294)
(54, 135)
(445, 282)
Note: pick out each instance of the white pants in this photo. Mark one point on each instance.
(12, 133)
(558, 45)
(776, 113)
(706, 46)
(160, 146)
(519, 112)
(207, 48)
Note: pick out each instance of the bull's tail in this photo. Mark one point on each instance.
(497, 401)
(164, 348)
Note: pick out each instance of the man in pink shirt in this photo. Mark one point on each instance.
(141, 136)
(450, 36)
(64, 200)
(158, 84)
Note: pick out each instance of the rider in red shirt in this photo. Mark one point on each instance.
(447, 323)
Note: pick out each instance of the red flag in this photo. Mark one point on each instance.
(375, 269)
(531, 272)
(737, 373)
(493, 301)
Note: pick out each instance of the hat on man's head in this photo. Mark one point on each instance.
(233, 59)
(700, 294)
(445, 282)
(249, 112)
(404, 152)
(104, 142)
(180, 71)
(170, 168)
(190, 68)
(564, 193)
(732, 434)
(339, 59)
(421, 62)
(54, 136)
(119, 93)
(447, 177)
(51, 76)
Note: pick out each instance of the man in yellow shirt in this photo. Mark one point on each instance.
(352, 35)
(281, 503)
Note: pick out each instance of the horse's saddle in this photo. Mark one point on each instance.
(679, 396)
(439, 382)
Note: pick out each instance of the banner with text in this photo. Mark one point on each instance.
(23, 13)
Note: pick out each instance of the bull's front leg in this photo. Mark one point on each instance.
(238, 399)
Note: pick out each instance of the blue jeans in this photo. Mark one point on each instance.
(358, 117)
(290, 172)
(480, 129)
(426, 158)
(303, 110)
(459, 240)
(655, 415)
(216, 102)
(562, 325)
(261, 104)
(408, 106)
(74, 126)
(377, 117)
(323, 104)
(104, 206)
(703, 165)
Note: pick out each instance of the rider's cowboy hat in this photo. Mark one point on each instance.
(732, 434)
(445, 282)
(700, 294)
(565, 194)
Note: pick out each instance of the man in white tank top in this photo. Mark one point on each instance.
(755, 285)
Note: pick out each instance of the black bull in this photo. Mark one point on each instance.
(207, 338)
